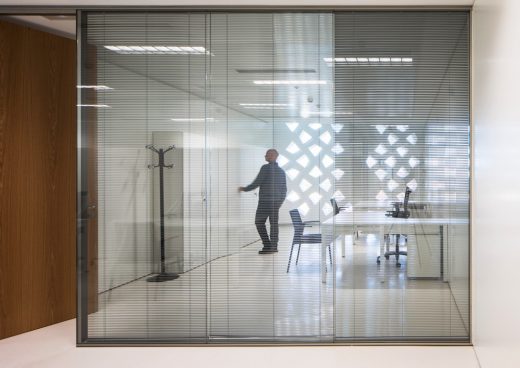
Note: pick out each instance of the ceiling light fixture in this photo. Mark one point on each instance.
(97, 88)
(159, 50)
(92, 105)
(370, 60)
(191, 119)
(289, 82)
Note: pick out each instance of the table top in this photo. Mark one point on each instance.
(379, 218)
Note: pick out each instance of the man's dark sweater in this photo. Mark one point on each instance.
(272, 183)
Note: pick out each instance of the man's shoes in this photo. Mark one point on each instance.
(268, 250)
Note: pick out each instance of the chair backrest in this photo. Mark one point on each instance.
(297, 223)
(335, 206)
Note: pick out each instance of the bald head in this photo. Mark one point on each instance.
(271, 155)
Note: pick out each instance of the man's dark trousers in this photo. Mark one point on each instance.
(265, 210)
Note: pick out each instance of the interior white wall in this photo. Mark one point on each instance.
(496, 179)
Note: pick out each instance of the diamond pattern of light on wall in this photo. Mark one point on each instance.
(327, 161)
(400, 197)
(402, 128)
(293, 196)
(412, 184)
(402, 151)
(292, 148)
(292, 126)
(315, 197)
(402, 173)
(380, 149)
(315, 126)
(305, 185)
(392, 184)
(327, 209)
(315, 150)
(412, 138)
(304, 209)
(326, 137)
(293, 173)
(336, 127)
(413, 162)
(337, 149)
(392, 139)
(315, 172)
(381, 174)
(338, 195)
(305, 137)
(303, 161)
(381, 128)
(381, 196)
(371, 162)
(282, 160)
(390, 161)
(338, 173)
(326, 185)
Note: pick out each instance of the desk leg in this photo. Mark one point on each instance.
(381, 240)
(323, 261)
(342, 244)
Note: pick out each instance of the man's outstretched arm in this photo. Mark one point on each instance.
(256, 183)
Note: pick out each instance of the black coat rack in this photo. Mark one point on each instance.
(163, 275)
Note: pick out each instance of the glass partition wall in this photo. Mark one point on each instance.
(178, 111)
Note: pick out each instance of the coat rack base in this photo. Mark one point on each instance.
(163, 277)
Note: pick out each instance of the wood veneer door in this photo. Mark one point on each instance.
(37, 179)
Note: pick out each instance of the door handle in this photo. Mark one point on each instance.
(91, 211)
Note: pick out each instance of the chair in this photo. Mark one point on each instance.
(397, 252)
(398, 213)
(301, 238)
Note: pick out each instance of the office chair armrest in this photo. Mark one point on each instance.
(311, 223)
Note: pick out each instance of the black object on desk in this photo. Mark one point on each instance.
(397, 212)
(163, 275)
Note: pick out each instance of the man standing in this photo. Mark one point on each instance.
(273, 189)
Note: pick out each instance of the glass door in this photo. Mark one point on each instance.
(269, 92)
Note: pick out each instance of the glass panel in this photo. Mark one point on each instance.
(150, 82)
(358, 106)
(402, 95)
(258, 99)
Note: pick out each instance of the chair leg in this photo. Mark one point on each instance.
(290, 255)
(298, 255)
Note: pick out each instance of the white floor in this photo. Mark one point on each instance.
(249, 296)
(54, 347)
(254, 293)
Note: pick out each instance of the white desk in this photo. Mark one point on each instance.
(346, 222)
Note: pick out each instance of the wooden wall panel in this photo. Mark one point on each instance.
(37, 179)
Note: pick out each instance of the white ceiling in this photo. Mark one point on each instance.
(232, 3)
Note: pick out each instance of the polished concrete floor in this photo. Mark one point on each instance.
(247, 297)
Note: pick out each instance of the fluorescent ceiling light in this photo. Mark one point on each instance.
(191, 119)
(370, 60)
(97, 88)
(263, 104)
(159, 50)
(289, 82)
(92, 105)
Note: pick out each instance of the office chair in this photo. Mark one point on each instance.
(397, 252)
(397, 212)
(335, 206)
(300, 238)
